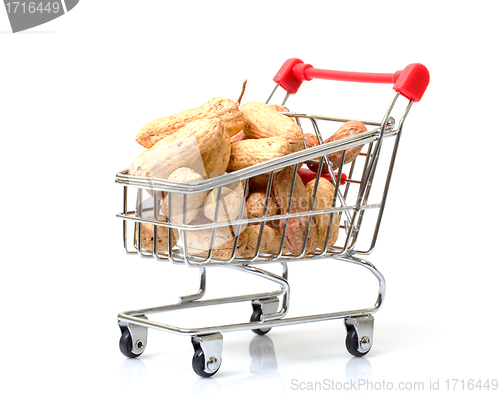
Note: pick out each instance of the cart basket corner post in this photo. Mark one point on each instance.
(351, 219)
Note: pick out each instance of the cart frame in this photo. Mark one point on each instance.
(271, 308)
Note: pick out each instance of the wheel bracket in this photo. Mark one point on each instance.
(211, 345)
(364, 331)
(268, 306)
(139, 335)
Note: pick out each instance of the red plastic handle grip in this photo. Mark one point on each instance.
(410, 82)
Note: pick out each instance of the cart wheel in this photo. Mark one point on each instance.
(199, 364)
(126, 345)
(257, 312)
(351, 343)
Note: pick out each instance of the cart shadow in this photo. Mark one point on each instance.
(264, 359)
(264, 369)
(263, 356)
(132, 371)
(358, 368)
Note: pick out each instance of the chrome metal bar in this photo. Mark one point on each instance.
(272, 93)
(139, 212)
(266, 208)
(285, 287)
(238, 227)
(284, 270)
(374, 159)
(335, 194)
(285, 99)
(343, 120)
(369, 175)
(246, 326)
(259, 243)
(387, 182)
(214, 231)
(201, 291)
(210, 302)
(308, 229)
(327, 161)
(132, 316)
(249, 221)
(155, 228)
(170, 237)
(287, 217)
(124, 227)
(257, 169)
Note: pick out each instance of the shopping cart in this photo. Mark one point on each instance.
(359, 200)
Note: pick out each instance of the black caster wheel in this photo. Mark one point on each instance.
(199, 364)
(126, 345)
(351, 343)
(257, 312)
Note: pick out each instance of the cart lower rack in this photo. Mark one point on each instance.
(353, 217)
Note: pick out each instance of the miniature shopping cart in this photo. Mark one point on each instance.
(361, 188)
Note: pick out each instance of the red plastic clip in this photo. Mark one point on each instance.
(286, 78)
(412, 81)
(343, 178)
(307, 175)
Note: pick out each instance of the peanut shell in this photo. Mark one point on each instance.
(324, 200)
(218, 107)
(263, 121)
(147, 236)
(193, 201)
(253, 232)
(249, 152)
(297, 226)
(182, 149)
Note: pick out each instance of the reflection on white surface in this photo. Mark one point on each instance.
(358, 368)
(132, 372)
(263, 368)
(263, 355)
(206, 386)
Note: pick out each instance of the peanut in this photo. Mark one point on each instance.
(275, 246)
(181, 149)
(147, 236)
(222, 108)
(250, 152)
(256, 203)
(278, 107)
(311, 140)
(215, 161)
(198, 242)
(239, 137)
(230, 204)
(324, 200)
(264, 121)
(295, 235)
(348, 129)
(193, 201)
(253, 232)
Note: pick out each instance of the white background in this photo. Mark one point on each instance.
(75, 91)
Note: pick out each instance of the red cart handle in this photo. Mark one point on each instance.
(410, 82)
